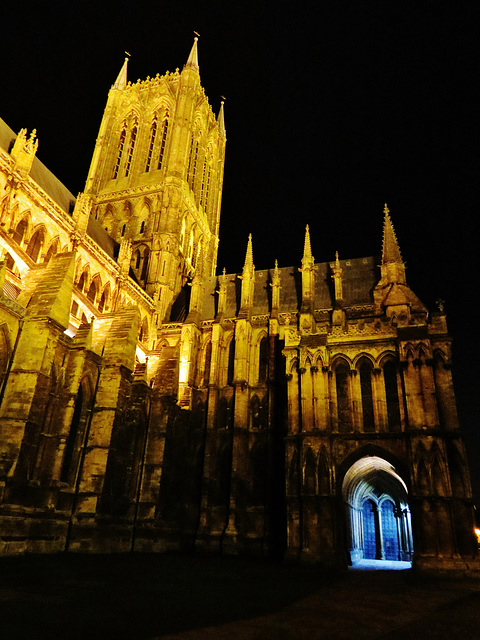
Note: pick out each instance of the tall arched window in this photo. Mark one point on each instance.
(263, 359)
(71, 456)
(146, 255)
(231, 361)
(92, 292)
(20, 231)
(367, 396)
(35, 245)
(121, 144)
(208, 363)
(391, 392)
(153, 134)
(52, 250)
(133, 137)
(344, 413)
(82, 281)
(164, 139)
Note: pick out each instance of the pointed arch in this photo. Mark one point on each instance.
(121, 146)
(94, 288)
(343, 392)
(35, 244)
(392, 384)
(309, 473)
(104, 302)
(144, 331)
(21, 230)
(324, 485)
(52, 249)
(263, 358)
(365, 369)
(76, 434)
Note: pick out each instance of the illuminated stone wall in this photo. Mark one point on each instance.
(147, 403)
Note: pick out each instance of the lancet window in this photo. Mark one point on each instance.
(367, 396)
(133, 137)
(342, 381)
(121, 144)
(164, 140)
(153, 135)
(391, 392)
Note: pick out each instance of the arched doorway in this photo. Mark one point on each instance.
(378, 516)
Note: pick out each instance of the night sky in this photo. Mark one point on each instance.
(332, 109)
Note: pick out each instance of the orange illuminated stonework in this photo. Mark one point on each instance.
(149, 403)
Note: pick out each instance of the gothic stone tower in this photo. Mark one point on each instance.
(155, 181)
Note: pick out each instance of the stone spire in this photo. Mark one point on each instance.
(337, 279)
(249, 257)
(275, 284)
(307, 248)
(221, 120)
(307, 269)
(121, 81)
(391, 250)
(393, 268)
(192, 62)
(222, 293)
(248, 276)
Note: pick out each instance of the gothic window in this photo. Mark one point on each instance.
(74, 443)
(103, 304)
(74, 309)
(52, 250)
(202, 188)
(342, 381)
(137, 259)
(35, 245)
(146, 254)
(255, 412)
(121, 144)
(391, 392)
(309, 473)
(82, 281)
(323, 474)
(133, 137)
(142, 226)
(164, 139)
(152, 143)
(192, 164)
(9, 262)
(231, 361)
(263, 359)
(367, 396)
(207, 188)
(92, 292)
(20, 231)
(143, 335)
(208, 363)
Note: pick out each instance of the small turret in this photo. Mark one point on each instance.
(392, 295)
(275, 284)
(338, 316)
(222, 293)
(221, 120)
(23, 151)
(192, 62)
(121, 81)
(307, 271)
(248, 278)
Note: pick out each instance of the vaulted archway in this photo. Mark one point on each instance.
(378, 514)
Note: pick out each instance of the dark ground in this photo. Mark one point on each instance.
(173, 596)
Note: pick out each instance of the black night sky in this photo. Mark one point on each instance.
(332, 108)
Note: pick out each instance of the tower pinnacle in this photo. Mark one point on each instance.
(249, 266)
(121, 81)
(192, 62)
(391, 250)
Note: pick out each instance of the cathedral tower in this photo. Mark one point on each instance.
(156, 178)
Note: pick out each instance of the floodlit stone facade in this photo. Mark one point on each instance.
(150, 404)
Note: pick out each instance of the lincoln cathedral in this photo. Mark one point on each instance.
(150, 402)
